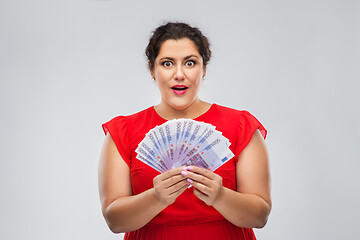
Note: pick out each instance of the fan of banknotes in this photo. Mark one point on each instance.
(184, 142)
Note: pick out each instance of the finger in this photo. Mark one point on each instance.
(172, 181)
(202, 171)
(200, 195)
(169, 195)
(197, 178)
(170, 173)
(178, 187)
(175, 187)
(200, 187)
(176, 194)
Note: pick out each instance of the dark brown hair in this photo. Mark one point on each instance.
(177, 30)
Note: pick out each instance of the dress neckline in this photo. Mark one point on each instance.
(212, 106)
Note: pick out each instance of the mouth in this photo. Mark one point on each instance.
(179, 89)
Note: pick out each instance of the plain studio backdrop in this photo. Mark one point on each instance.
(68, 66)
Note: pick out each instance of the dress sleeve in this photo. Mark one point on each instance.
(118, 129)
(247, 127)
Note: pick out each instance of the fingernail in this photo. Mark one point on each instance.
(185, 168)
(184, 173)
(189, 180)
(189, 168)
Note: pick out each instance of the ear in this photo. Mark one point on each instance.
(151, 71)
(204, 72)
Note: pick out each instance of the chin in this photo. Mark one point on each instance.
(181, 103)
(179, 106)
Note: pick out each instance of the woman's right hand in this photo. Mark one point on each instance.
(124, 211)
(169, 185)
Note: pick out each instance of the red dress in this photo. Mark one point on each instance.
(188, 217)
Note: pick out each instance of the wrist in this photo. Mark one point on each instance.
(219, 201)
(156, 198)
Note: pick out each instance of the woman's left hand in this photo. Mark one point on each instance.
(207, 185)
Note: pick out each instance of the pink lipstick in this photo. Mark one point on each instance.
(179, 89)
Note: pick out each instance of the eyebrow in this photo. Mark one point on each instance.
(172, 59)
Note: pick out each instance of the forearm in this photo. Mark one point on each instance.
(130, 213)
(243, 210)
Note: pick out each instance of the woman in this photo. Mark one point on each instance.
(224, 204)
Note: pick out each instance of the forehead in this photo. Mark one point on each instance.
(178, 48)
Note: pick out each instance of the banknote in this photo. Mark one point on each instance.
(184, 142)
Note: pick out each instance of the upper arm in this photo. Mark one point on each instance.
(252, 169)
(113, 176)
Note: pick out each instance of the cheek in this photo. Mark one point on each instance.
(163, 76)
(196, 76)
(162, 81)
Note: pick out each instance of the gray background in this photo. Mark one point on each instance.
(67, 66)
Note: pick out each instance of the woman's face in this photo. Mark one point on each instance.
(178, 71)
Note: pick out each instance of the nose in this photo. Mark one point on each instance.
(179, 73)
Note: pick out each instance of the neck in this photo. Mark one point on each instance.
(197, 108)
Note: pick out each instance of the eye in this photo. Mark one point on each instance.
(167, 64)
(190, 63)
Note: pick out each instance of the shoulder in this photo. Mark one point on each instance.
(133, 117)
(124, 122)
(141, 114)
(241, 119)
(232, 112)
